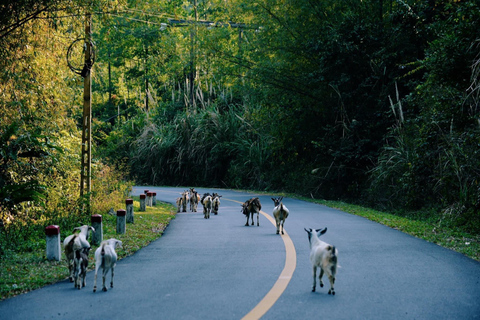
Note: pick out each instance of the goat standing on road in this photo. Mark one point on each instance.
(207, 205)
(185, 200)
(73, 242)
(215, 203)
(250, 207)
(194, 199)
(323, 256)
(80, 263)
(106, 258)
(280, 212)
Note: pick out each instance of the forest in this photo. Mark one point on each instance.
(370, 102)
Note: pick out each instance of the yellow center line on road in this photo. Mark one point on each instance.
(282, 282)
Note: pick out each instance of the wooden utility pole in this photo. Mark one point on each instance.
(193, 68)
(86, 173)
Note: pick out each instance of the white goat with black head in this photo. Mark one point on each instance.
(280, 212)
(74, 242)
(106, 258)
(323, 256)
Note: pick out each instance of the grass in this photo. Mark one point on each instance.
(427, 228)
(21, 272)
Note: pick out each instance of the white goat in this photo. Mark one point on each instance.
(280, 212)
(207, 205)
(106, 258)
(73, 242)
(323, 256)
(216, 203)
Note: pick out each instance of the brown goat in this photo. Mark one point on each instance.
(250, 207)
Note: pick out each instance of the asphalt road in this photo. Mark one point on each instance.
(221, 269)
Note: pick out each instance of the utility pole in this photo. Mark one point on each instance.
(193, 69)
(86, 173)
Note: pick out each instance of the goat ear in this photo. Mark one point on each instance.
(310, 230)
(320, 232)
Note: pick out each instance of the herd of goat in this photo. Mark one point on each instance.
(322, 255)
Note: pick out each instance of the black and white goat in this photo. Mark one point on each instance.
(194, 199)
(250, 207)
(280, 212)
(323, 256)
(80, 265)
(76, 241)
(106, 258)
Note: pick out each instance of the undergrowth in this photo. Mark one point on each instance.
(23, 271)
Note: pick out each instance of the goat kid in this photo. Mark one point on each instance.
(323, 256)
(215, 203)
(80, 263)
(106, 258)
(250, 207)
(280, 212)
(73, 242)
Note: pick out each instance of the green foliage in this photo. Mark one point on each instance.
(288, 95)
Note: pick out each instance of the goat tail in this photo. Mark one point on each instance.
(333, 255)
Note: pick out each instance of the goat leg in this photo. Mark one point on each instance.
(95, 281)
(320, 278)
(332, 281)
(113, 273)
(314, 278)
(104, 288)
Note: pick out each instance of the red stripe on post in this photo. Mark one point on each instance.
(96, 218)
(121, 212)
(150, 194)
(52, 230)
(143, 196)
(146, 191)
(129, 201)
(154, 193)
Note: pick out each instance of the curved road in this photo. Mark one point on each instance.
(220, 269)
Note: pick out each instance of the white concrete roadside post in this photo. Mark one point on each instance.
(142, 202)
(97, 224)
(149, 199)
(121, 225)
(154, 199)
(129, 205)
(54, 251)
